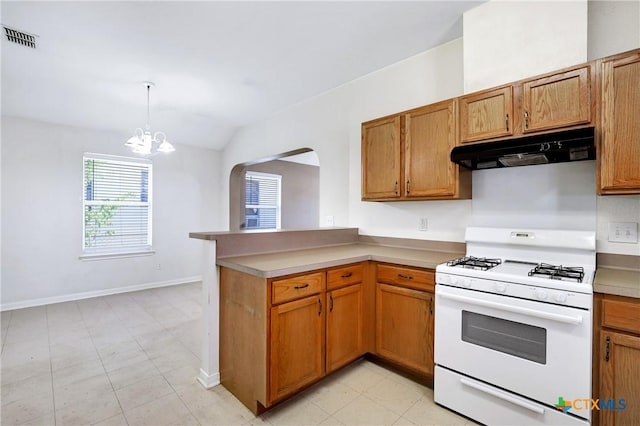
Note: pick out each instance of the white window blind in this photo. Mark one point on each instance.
(117, 205)
(262, 199)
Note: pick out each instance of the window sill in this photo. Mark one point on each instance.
(106, 256)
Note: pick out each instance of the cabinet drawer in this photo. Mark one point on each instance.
(296, 287)
(339, 277)
(406, 277)
(621, 313)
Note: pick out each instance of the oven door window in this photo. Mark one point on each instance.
(513, 338)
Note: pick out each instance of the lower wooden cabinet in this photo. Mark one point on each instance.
(620, 379)
(297, 342)
(617, 360)
(404, 316)
(279, 335)
(344, 326)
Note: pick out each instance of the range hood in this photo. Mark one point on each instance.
(557, 147)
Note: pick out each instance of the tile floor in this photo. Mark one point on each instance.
(132, 359)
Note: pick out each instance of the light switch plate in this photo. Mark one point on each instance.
(623, 232)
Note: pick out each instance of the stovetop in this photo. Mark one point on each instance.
(518, 268)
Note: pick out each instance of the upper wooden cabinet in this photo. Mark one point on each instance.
(487, 114)
(557, 100)
(406, 156)
(553, 101)
(430, 137)
(619, 150)
(381, 168)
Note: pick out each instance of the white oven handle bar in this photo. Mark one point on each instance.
(503, 395)
(516, 309)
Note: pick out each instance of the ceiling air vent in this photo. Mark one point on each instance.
(20, 37)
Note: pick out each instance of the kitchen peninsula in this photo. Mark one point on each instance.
(296, 305)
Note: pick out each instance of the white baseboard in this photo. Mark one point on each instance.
(208, 380)
(89, 294)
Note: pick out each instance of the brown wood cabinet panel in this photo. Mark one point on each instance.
(557, 100)
(404, 327)
(406, 277)
(430, 137)
(297, 345)
(620, 373)
(487, 114)
(243, 337)
(621, 313)
(344, 326)
(344, 275)
(619, 159)
(381, 167)
(296, 287)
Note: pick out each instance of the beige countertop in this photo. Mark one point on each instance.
(617, 281)
(277, 264)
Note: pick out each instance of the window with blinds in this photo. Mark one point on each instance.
(262, 201)
(117, 205)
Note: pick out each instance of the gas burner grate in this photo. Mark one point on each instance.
(558, 272)
(472, 262)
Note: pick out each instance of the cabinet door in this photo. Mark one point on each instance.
(486, 115)
(430, 136)
(619, 378)
(619, 162)
(404, 326)
(381, 142)
(297, 336)
(344, 326)
(555, 101)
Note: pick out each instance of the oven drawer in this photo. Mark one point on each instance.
(406, 277)
(621, 313)
(492, 406)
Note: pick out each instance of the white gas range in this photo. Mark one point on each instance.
(513, 326)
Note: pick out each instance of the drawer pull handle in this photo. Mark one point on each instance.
(526, 120)
(331, 304)
(319, 307)
(299, 287)
(606, 348)
(347, 275)
(507, 122)
(431, 305)
(405, 277)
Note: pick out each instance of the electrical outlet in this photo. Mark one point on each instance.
(623, 232)
(423, 225)
(330, 221)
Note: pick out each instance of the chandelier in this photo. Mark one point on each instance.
(146, 143)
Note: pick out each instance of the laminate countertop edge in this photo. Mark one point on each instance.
(620, 282)
(270, 265)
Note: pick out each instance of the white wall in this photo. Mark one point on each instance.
(330, 125)
(506, 41)
(42, 214)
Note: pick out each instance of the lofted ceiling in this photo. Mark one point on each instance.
(217, 65)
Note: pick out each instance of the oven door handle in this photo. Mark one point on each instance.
(503, 395)
(515, 309)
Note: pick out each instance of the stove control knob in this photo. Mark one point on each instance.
(453, 280)
(500, 287)
(561, 297)
(541, 294)
(466, 282)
